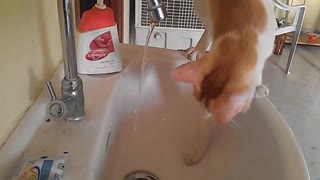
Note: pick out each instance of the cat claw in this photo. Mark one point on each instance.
(261, 91)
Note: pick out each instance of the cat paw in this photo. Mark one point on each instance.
(195, 156)
(197, 150)
(261, 91)
(193, 53)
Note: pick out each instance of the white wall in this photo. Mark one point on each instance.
(30, 52)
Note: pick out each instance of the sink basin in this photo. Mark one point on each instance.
(259, 146)
(121, 134)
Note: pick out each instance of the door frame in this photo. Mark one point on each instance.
(118, 8)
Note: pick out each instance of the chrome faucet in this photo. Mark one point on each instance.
(157, 10)
(71, 104)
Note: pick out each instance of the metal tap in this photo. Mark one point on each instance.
(71, 104)
(157, 10)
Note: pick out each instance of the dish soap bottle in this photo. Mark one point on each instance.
(98, 41)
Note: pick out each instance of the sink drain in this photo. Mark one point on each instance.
(140, 175)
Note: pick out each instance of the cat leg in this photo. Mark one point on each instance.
(261, 89)
(197, 146)
(202, 10)
(194, 53)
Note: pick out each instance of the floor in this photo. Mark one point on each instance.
(297, 97)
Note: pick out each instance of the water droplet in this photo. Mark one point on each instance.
(311, 163)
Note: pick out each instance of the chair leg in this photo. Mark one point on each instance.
(295, 40)
(292, 51)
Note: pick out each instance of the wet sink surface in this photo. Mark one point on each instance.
(260, 146)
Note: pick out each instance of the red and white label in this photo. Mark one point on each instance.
(100, 47)
(96, 55)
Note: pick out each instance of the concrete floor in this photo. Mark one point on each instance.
(297, 97)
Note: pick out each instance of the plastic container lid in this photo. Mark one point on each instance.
(96, 18)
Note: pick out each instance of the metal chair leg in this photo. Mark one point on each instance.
(295, 40)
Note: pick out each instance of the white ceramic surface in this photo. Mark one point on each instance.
(261, 147)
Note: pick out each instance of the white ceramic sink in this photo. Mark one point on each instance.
(113, 140)
(260, 147)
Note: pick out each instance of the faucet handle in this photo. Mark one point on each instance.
(56, 109)
(51, 90)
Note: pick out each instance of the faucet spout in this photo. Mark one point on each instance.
(68, 39)
(157, 10)
(71, 104)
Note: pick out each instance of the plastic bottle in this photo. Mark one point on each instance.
(98, 41)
